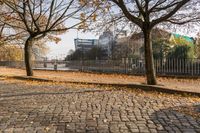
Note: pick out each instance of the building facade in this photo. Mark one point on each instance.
(85, 45)
(106, 42)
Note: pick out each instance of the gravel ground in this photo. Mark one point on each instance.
(38, 107)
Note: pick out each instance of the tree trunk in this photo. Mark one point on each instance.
(27, 57)
(149, 61)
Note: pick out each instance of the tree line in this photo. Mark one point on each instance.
(95, 53)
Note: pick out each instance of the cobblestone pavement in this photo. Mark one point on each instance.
(34, 107)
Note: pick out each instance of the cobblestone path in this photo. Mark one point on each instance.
(44, 108)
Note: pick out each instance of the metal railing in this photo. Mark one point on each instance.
(15, 64)
(190, 67)
(137, 66)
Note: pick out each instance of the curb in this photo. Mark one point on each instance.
(152, 88)
(97, 72)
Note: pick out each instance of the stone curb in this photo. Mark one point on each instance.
(50, 93)
(96, 72)
(144, 87)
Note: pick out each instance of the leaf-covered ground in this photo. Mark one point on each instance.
(186, 84)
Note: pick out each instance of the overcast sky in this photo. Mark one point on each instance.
(61, 49)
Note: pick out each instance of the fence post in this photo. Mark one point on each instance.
(198, 63)
(45, 64)
(192, 65)
(55, 65)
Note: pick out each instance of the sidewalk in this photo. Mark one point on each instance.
(41, 107)
(185, 85)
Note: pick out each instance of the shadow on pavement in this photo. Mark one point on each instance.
(51, 93)
(178, 119)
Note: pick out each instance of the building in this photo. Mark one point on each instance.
(106, 42)
(181, 40)
(85, 45)
(129, 46)
(136, 42)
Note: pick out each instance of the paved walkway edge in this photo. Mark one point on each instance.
(144, 87)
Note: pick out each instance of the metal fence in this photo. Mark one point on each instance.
(15, 64)
(190, 67)
(137, 66)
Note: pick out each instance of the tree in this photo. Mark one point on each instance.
(75, 55)
(147, 14)
(160, 47)
(182, 52)
(10, 53)
(121, 50)
(33, 20)
(96, 53)
(39, 51)
(197, 46)
(92, 54)
(2, 25)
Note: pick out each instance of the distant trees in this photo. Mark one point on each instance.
(181, 52)
(11, 53)
(121, 51)
(182, 49)
(75, 55)
(39, 51)
(95, 53)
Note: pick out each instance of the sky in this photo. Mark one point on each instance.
(61, 49)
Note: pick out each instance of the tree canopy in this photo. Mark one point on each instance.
(147, 14)
(33, 20)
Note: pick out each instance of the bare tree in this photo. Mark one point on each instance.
(2, 25)
(33, 20)
(147, 14)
